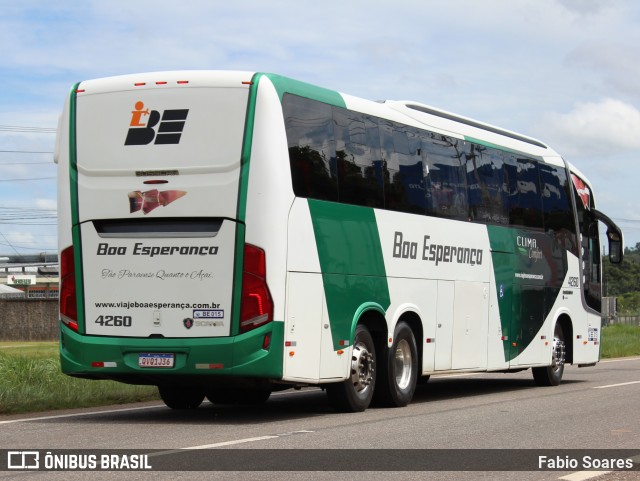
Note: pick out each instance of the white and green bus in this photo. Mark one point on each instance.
(230, 234)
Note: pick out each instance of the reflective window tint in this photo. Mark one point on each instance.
(446, 184)
(344, 156)
(359, 163)
(404, 182)
(523, 184)
(589, 249)
(312, 151)
(556, 205)
(488, 199)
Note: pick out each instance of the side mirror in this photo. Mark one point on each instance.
(614, 235)
(615, 247)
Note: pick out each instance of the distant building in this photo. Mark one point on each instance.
(35, 276)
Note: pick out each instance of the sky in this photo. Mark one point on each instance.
(564, 71)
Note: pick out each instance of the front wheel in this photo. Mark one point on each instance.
(399, 376)
(181, 397)
(355, 394)
(552, 375)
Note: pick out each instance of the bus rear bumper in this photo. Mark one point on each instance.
(256, 354)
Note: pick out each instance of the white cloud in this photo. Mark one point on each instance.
(586, 7)
(608, 126)
(502, 62)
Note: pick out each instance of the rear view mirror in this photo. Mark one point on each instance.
(614, 236)
(615, 247)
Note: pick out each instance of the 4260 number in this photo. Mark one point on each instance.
(114, 321)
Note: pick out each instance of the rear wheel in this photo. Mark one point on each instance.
(552, 375)
(398, 378)
(181, 397)
(355, 394)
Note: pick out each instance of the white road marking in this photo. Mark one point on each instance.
(229, 443)
(583, 475)
(616, 385)
(60, 416)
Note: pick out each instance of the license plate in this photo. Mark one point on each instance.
(153, 359)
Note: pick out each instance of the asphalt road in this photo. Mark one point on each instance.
(594, 408)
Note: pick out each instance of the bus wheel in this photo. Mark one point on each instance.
(253, 396)
(355, 394)
(552, 375)
(181, 397)
(398, 378)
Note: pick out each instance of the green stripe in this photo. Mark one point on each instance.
(351, 261)
(247, 145)
(524, 304)
(75, 209)
(241, 214)
(286, 85)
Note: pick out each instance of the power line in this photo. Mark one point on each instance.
(26, 152)
(31, 130)
(25, 163)
(27, 180)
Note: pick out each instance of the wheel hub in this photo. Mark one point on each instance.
(403, 364)
(559, 354)
(362, 368)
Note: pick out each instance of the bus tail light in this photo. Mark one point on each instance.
(257, 304)
(68, 306)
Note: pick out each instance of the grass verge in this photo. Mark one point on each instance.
(31, 380)
(620, 340)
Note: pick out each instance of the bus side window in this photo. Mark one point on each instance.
(487, 199)
(359, 169)
(556, 206)
(404, 179)
(446, 189)
(525, 203)
(312, 152)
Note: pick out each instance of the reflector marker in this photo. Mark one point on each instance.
(543, 337)
(209, 366)
(504, 338)
(344, 342)
(431, 340)
(290, 343)
(104, 364)
(156, 182)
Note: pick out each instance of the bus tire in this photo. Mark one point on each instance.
(399, 374)
(355, 394)
(181, 397)
(252, 396)
(552, 375)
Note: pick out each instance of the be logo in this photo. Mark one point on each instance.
(143, 131)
